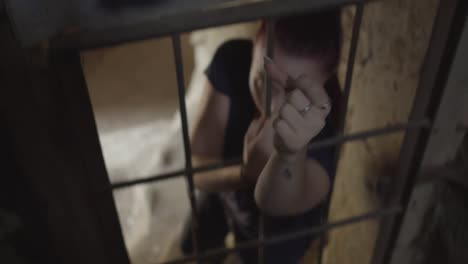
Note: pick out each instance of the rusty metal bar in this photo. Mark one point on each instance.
(185, 133)
(381, 213)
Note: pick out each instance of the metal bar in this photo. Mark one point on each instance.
(345, 102)
(322, 243)
(102, 27)
(177, 173)
(350, 67)
(185, 133)
(261, 237)
(381, 213)
(269, 47)
(424, 123)
(444, 40)
(454, 172)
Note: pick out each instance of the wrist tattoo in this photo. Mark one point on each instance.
(287, 173)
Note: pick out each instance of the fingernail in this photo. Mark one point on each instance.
(267, 60)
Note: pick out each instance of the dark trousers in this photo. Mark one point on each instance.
(213, 226)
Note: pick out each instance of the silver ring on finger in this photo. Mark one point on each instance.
(325, 106)
(306, 109)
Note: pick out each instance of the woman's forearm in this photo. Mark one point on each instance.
(224, 179)
(281, 183)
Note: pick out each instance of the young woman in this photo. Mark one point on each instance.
(280, 176)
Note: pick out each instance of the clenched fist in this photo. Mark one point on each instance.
(302, 112)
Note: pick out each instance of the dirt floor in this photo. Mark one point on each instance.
(133, 92)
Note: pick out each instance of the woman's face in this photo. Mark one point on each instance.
(294, 66)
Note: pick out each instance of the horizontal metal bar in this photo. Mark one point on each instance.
(294, 235)
(177, 173)
(425, 123)
(454, 172)
(316, 145)
(102, 27)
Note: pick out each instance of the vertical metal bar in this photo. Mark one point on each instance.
(269, 46)
(350, 67)
(434, 74)
(261, 237)
(185, 133)
(346, 92)
(322, 241)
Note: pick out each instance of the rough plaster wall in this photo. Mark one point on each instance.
(392, 46)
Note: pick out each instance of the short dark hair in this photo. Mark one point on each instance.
(317, 34)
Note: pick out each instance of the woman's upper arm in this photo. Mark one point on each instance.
(316, 186)
(207, 135)
(321, 167)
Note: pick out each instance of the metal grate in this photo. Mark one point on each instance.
(100, 28)
(415, 125)
(87, 24)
